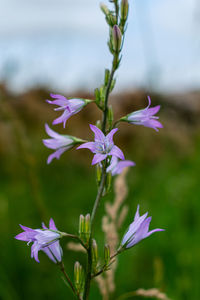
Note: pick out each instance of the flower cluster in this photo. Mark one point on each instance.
(103, 146)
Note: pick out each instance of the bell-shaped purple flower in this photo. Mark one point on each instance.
(103, 146)
(145, 117)
(46, 240)
(138, 230)
(116, 166)
(69, 107)
(58, 142)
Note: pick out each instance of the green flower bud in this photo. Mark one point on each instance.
(106, 254)
(98, 124)
(78, 277)
(117, 38)
(107, 76)
(110, 115)
(104, 8)
(87, 230)
(94, 253)
(97, 95)
(99, 173)
(124, 9)
(81, 226)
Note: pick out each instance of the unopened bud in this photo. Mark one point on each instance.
(106, 254)
(81, 226)
(124, 9)
(108, 182)
(98, 124)
(104, 8)
(94, 253)
(117, 38)
(110, 115)
(77, 273)
(99, 172)
(78, 277)
(112, 85)
(97, 95)
(107, 76)
(87, 227)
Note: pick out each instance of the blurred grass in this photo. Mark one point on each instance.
(165, 182)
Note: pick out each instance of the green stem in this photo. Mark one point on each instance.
(115, 65)
(89, 250)
(105, 113)
(62, 268)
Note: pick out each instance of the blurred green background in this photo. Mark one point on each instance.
(164, 182)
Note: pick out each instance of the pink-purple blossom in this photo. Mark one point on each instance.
(145, 117)
(103, 146)
(69, 107)
(116, 166)
(46, 240)
(58, 142)
(138, 230)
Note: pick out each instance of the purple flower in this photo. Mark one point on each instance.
(59, 142)
(116, 166)
(145, 117)
(69, 107)
(138, 230)
(102, 146)
(44, 239)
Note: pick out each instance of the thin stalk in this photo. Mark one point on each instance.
(99, 195)
(62, 268)
(89, 250)
(104, 266)
(105, 113)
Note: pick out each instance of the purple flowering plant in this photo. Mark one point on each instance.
(108, 159)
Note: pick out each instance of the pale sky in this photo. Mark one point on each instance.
(62, 43)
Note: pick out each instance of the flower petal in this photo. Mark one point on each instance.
(153, 231)
(34, 251)
(89, 145)
(57, 96)
(99, 136)
(63, 118)
(56, 154)
(51, 132)
(98, 157)
(52, 224)
(116, 151)
(121, 165)
(58, 102)
(109, 136)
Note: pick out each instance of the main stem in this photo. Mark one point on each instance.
(105, 113)
(89, 251)
(103, 177)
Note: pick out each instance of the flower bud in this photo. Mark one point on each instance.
(81, 226)
(110, 115)
(124, 9)
(78, 277)
(104, 8)
(106, 254)
(87, 230)
(97, 95)
(94, 253)
(117, 38)
(107, 76)
(99, 173)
